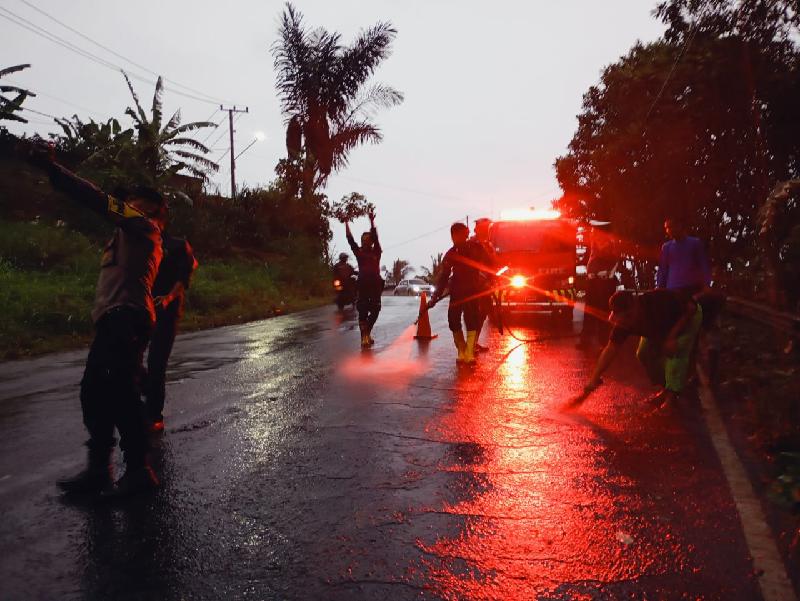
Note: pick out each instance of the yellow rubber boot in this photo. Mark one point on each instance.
(362, 326)
(461, 345)
(469, 351)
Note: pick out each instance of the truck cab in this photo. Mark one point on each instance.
(537, 254)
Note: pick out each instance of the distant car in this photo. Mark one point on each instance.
(413, 288)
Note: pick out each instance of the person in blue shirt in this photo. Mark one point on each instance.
(683, 264)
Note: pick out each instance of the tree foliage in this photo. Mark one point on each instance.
(11, 105)
(399, 271)
(151, 151)
(431, 274)
(162, 149)
(322, 85)
(700, 124)
(352, 206)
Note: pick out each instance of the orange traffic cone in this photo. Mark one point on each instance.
(423, 321)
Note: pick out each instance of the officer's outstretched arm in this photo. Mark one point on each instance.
(89, 195)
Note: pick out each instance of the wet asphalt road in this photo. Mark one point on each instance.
(295, 466)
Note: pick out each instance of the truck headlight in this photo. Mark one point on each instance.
(571, 280)
(518, 281)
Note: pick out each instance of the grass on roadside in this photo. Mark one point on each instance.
(48, 275)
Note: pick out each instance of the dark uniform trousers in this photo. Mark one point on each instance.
(470, 310)
(369, 299)
(157, 357)
(110, 388)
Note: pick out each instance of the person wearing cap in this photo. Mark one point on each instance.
(169, 291)
(601, 283)
(123, 316)
(667, 323)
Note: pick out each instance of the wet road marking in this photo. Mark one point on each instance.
(774, 582)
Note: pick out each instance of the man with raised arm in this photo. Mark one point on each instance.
(123, 316)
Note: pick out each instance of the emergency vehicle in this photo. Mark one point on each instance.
(537, 252)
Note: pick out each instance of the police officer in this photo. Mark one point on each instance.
(462, 268)
(370, 282)
(169, 291)
(123, 317)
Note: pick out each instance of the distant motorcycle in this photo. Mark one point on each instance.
(345, 291)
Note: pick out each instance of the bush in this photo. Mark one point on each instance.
(43, 247)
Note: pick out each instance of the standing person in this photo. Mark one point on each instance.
(370, 282)
(461, 271)
(667, 323)
(481, 237)
(169, 291)
(123, 317)
(683, 264)
(601, 283)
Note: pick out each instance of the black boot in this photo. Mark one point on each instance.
(97, 477)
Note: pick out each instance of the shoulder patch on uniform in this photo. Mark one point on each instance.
(123, 209)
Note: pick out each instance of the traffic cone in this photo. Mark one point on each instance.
(423, 321)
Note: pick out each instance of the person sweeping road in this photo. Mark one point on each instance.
(370, 282)
(667, 323)
(462, 272)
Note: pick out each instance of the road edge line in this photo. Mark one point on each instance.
(774, 582)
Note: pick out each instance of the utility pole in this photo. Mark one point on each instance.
(231, 111)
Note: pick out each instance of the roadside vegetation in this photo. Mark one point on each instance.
(703, 124)
(262, 253)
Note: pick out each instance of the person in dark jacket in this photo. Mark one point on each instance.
(370, 282)
(462, 272)
(481, 237)
(123, 316)
(169, 291)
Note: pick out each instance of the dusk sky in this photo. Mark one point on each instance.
(491, 91)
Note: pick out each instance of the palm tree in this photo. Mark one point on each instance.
(161, 150)
(10, 106)
(430, 274)
(322, 87)
(400, 269)
(92, 141)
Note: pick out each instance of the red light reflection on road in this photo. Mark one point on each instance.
(392, 367)
(537, 512)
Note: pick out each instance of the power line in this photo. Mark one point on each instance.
(118, 55)
(212, 130)
(64, 101)
(686, 43)
(51, 37)
(415, 238)
(222, 134)
(25, 108)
